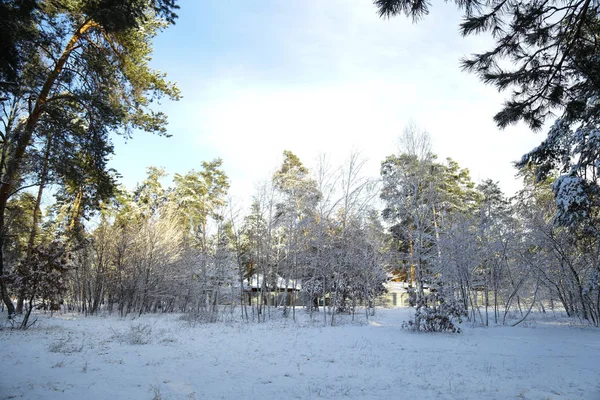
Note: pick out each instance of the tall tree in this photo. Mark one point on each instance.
(200, 196)
(495, 236)
(18, 29)
(420, 196)
(88, 60)
(295, 210)
(564, 260)
(549, 45)
(150, 195)
(545, 53)
(409, 192)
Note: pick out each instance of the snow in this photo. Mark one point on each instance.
(569, 192)
(166, 357)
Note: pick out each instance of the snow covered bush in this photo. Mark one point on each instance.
(437, 312)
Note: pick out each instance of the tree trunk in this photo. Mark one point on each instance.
(36, 217)
(15, 159)
(10, 307)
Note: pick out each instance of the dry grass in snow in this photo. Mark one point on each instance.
(165, 357)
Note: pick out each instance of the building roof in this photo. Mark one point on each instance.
(256, 282)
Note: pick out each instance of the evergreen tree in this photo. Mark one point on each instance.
(546, 54)
(409, 193)
(200, 196)
(294, 213)
(81, 61)
(150, 196)
(565, 261)
(550, 46)
(420, 197)
(17, 31)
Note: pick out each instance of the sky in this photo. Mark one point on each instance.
(319, 77)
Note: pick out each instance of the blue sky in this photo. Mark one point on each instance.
(313, 76)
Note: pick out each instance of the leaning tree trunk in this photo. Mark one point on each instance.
(15, 158)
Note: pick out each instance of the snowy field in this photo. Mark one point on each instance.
(165, 357)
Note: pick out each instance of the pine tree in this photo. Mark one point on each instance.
(80, 61)
(294, 212)
(422, 197)
(545, 54)
(200, 195)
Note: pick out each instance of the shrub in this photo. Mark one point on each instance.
(436, 312)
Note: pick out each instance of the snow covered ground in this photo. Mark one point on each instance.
(165, 357)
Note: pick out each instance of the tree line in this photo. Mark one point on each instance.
(542, 57)
(480, 254)
(315, 239)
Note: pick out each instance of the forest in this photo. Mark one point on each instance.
(325, 239)
(332, 277)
